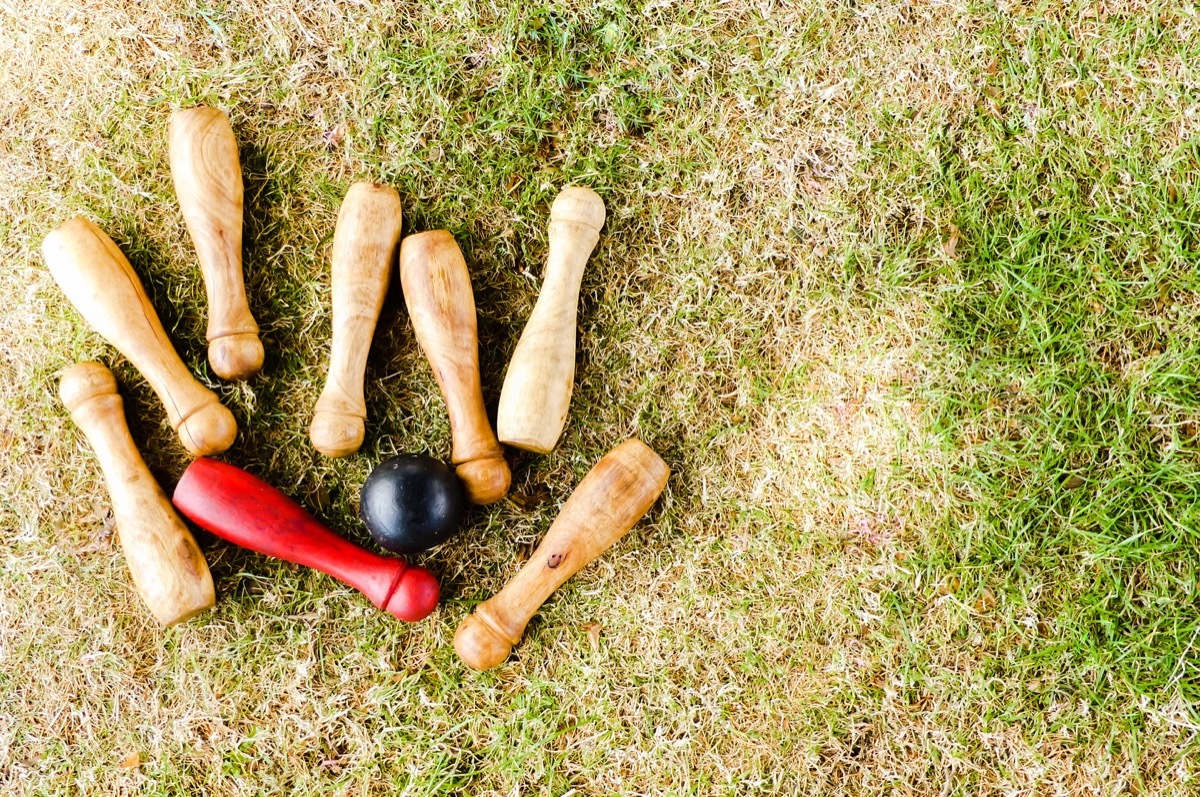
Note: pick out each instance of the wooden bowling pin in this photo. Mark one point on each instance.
(437, 292)
(168, 569)
(537, 388)
(208, 183)
(612, 497)
(247, 511)
(96, 277)
(364, 246)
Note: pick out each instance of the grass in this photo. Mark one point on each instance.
(904, 294)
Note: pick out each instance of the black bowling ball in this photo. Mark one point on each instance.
(411, 502)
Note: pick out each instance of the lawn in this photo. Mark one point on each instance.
(904, 293)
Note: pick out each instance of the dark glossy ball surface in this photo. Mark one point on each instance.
(411, 502)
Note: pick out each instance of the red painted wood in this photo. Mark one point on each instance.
(247, 511)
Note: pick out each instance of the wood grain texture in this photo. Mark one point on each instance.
(437, 292)
(208, 183)
(168, 569)
(541, 375)
(98, 280)
(612, 497)
(245, 510)
(364, 248)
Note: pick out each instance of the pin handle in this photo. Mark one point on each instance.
(364, 247)
(612, 497)
(208, 182)
(168, 569)
(541, 375)
(100, 283)
(437, 292)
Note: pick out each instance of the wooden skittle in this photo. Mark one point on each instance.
(437, 292)
(612, 497)
(96, 277)
(364, 246)
(541, 375)
(208, 183)
(167, 568)
(247, 511)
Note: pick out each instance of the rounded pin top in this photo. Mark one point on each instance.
(85, 381)
(479, 643)
(580, 205)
